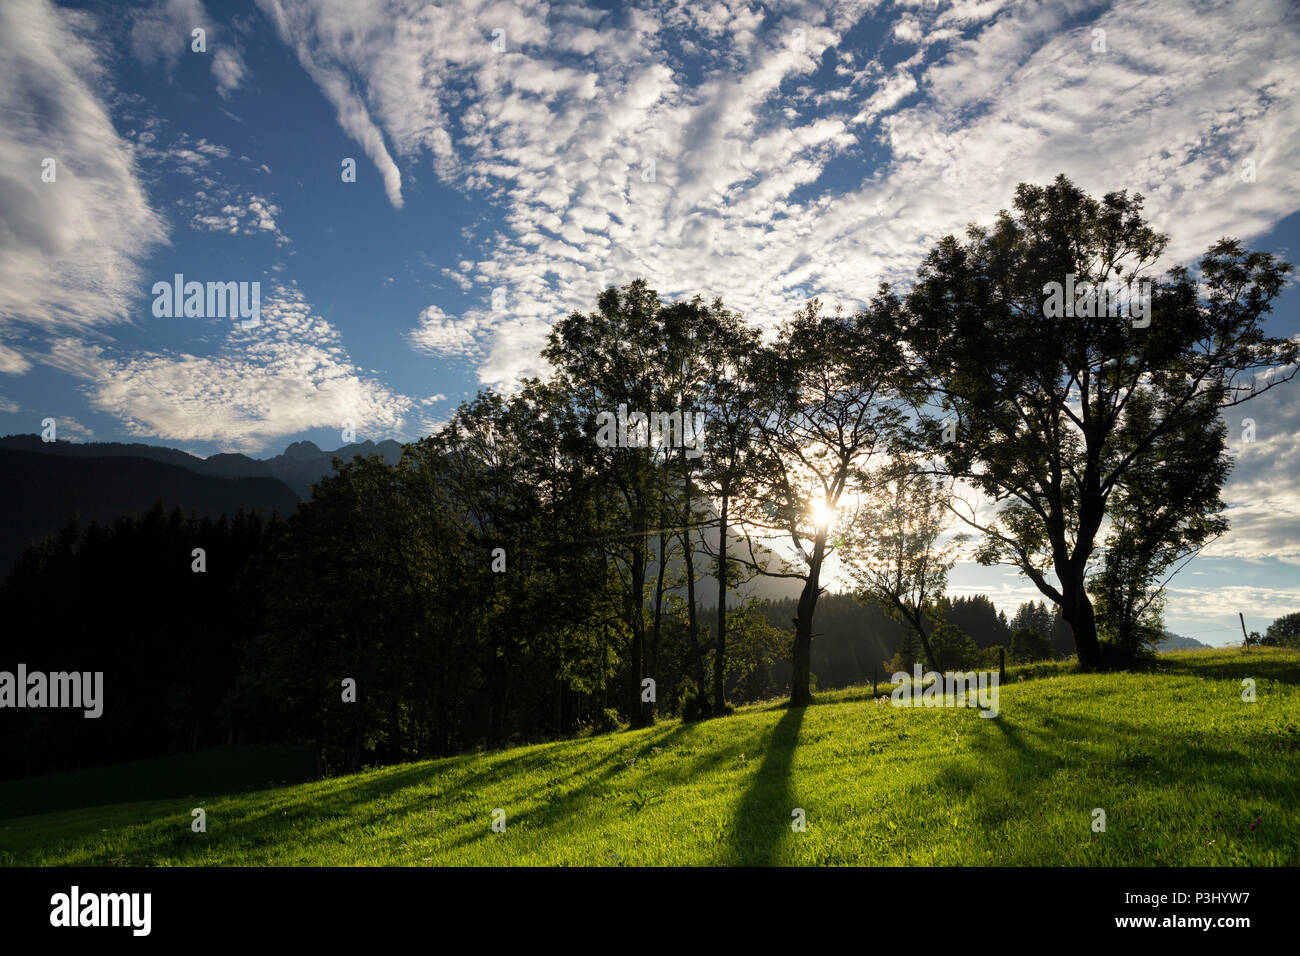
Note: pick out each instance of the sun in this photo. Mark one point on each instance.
(822, 514)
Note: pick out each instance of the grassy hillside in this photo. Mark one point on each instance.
(223, 770)
(1187, 773)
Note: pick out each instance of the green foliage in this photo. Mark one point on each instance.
(909, 653)
(1035, 616)
(853, 638)
(1029, 645)
(1284, 632)
(830, 412)
(1164, 510)
(170, 665)
(1127, 657)
(893, 554)
(1067, 420)
(754, 648)
(976, 615)
(640, 354)
(479, 620)
(610, 721)
(953, 648)
(691, 703)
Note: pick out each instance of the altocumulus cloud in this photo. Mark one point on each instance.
(1263, 495)
(286, 375)
(690, 144)
(443, 335)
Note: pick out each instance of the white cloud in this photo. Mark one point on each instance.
(163, 32)
(69, 429)
(442, 335)
(183, 155)
(561, 127)
(1262, 493)
(209, 200)
(284, 376)
(69, 250)
(12, 362)
(246, 215)
(1222, 603)
(887, 94)
(229, 70)
(326, 63)
(908, 30)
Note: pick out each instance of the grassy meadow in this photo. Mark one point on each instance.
(1188, 774)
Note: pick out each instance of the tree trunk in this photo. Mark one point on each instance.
(692, 620)
(801, 654)
(1076, 608)
(496, 700)
(720, 652)
(656, 632)
(642, 714)
(925, 645)
(604, 667)
(394, 731)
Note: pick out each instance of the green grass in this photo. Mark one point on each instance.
(221, 770)
(1181, 765)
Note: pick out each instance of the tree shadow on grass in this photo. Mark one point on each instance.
(1019, 770)
(566, 803)
(763, 815)
(1266, 666)
(565, 798)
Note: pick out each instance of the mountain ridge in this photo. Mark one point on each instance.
(299, 466)
(42, 492)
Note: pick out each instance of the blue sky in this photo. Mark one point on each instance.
(512, 159)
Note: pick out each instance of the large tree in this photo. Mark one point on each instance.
(1032, 408)
(611, 362)
(512, 468)
(1284, 632)
(829, 413)
(729, 399)
(702, 342)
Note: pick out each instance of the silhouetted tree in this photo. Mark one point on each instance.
(1037, 405)
(829, 413)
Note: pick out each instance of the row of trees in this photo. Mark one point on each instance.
(126, 600)
(1086, 451)
(514, 573)
(251, 639)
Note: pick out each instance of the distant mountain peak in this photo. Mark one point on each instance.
(302, 449)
